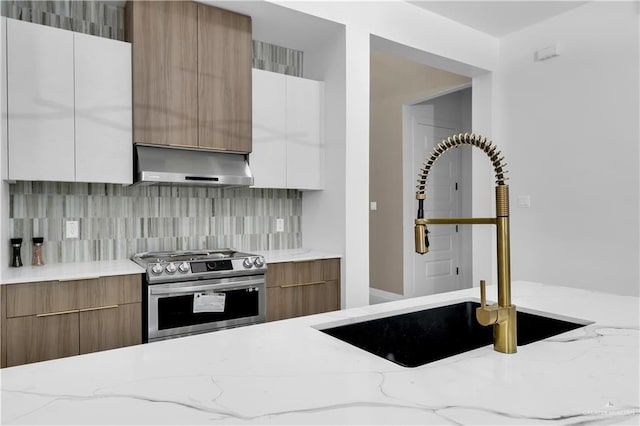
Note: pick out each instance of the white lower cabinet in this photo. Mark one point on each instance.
(287, 131)
(69, 106)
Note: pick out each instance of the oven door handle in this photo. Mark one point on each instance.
(198, 288)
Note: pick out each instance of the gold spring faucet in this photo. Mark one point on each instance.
(501, 315)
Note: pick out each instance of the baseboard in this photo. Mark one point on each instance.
(380, 296)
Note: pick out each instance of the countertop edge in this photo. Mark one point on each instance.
(70, 271)
(295, 255)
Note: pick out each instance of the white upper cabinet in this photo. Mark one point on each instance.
(268, 160)
(304, 133)
(104, 149)
(287, 131)
(69, 106)
(3, 99)
(40, 105)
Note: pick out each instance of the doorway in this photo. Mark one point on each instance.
(447, 266)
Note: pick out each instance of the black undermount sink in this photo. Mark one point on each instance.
(416, 338)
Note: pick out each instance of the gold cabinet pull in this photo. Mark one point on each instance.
(73, 311)
(79, 279)
(98, 308)
(182, 145)
(303, 284)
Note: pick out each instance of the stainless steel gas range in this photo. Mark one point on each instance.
(189, 292)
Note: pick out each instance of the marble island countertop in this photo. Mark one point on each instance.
(288, 372)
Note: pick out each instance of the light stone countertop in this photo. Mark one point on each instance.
(288, 372)
(78, 270)
(70, 271)
(294, 255)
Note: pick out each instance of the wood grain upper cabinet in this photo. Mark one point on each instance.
(224, 79)
(191, 75)
(40, 106)
(164, 39)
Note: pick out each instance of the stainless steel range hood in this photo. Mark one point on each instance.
(185, 166)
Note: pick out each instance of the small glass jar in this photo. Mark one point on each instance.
(37, 251)
(16, 259)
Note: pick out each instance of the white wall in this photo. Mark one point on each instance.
(571, 123)
(323, 218)
(483, 180)
(454, 47)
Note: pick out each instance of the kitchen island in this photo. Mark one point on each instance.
(289, 372)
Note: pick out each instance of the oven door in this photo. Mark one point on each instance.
(174, 309)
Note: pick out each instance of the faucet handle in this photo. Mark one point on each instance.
(486, 315)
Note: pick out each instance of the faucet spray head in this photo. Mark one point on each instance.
(422, 241)
(421, 231)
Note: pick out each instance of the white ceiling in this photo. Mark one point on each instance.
(497, 18)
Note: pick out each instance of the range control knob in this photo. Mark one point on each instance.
(157, 269)
(259, 262)
(170, 268)
(184, 267)
(247, 263)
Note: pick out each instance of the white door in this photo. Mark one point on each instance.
(439, 270)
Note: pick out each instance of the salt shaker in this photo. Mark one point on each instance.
(16, 260)
(37, 251)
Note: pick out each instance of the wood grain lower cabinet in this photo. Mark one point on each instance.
(110, 327)
(302, 288)
(40, 338)
(54, 319)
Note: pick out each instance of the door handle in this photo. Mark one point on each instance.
(198, 288)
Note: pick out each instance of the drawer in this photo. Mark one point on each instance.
(331, 269)
(41, 298)
(61, 296)
(290, 273)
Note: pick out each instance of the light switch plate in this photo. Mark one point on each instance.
(72, 229)
(524, 201)
(279, 225)
(373, 206)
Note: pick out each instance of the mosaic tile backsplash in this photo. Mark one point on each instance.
(100, 18)
(270, 57)
(118, 221)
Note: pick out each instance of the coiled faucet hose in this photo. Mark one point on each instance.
(453, 142)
